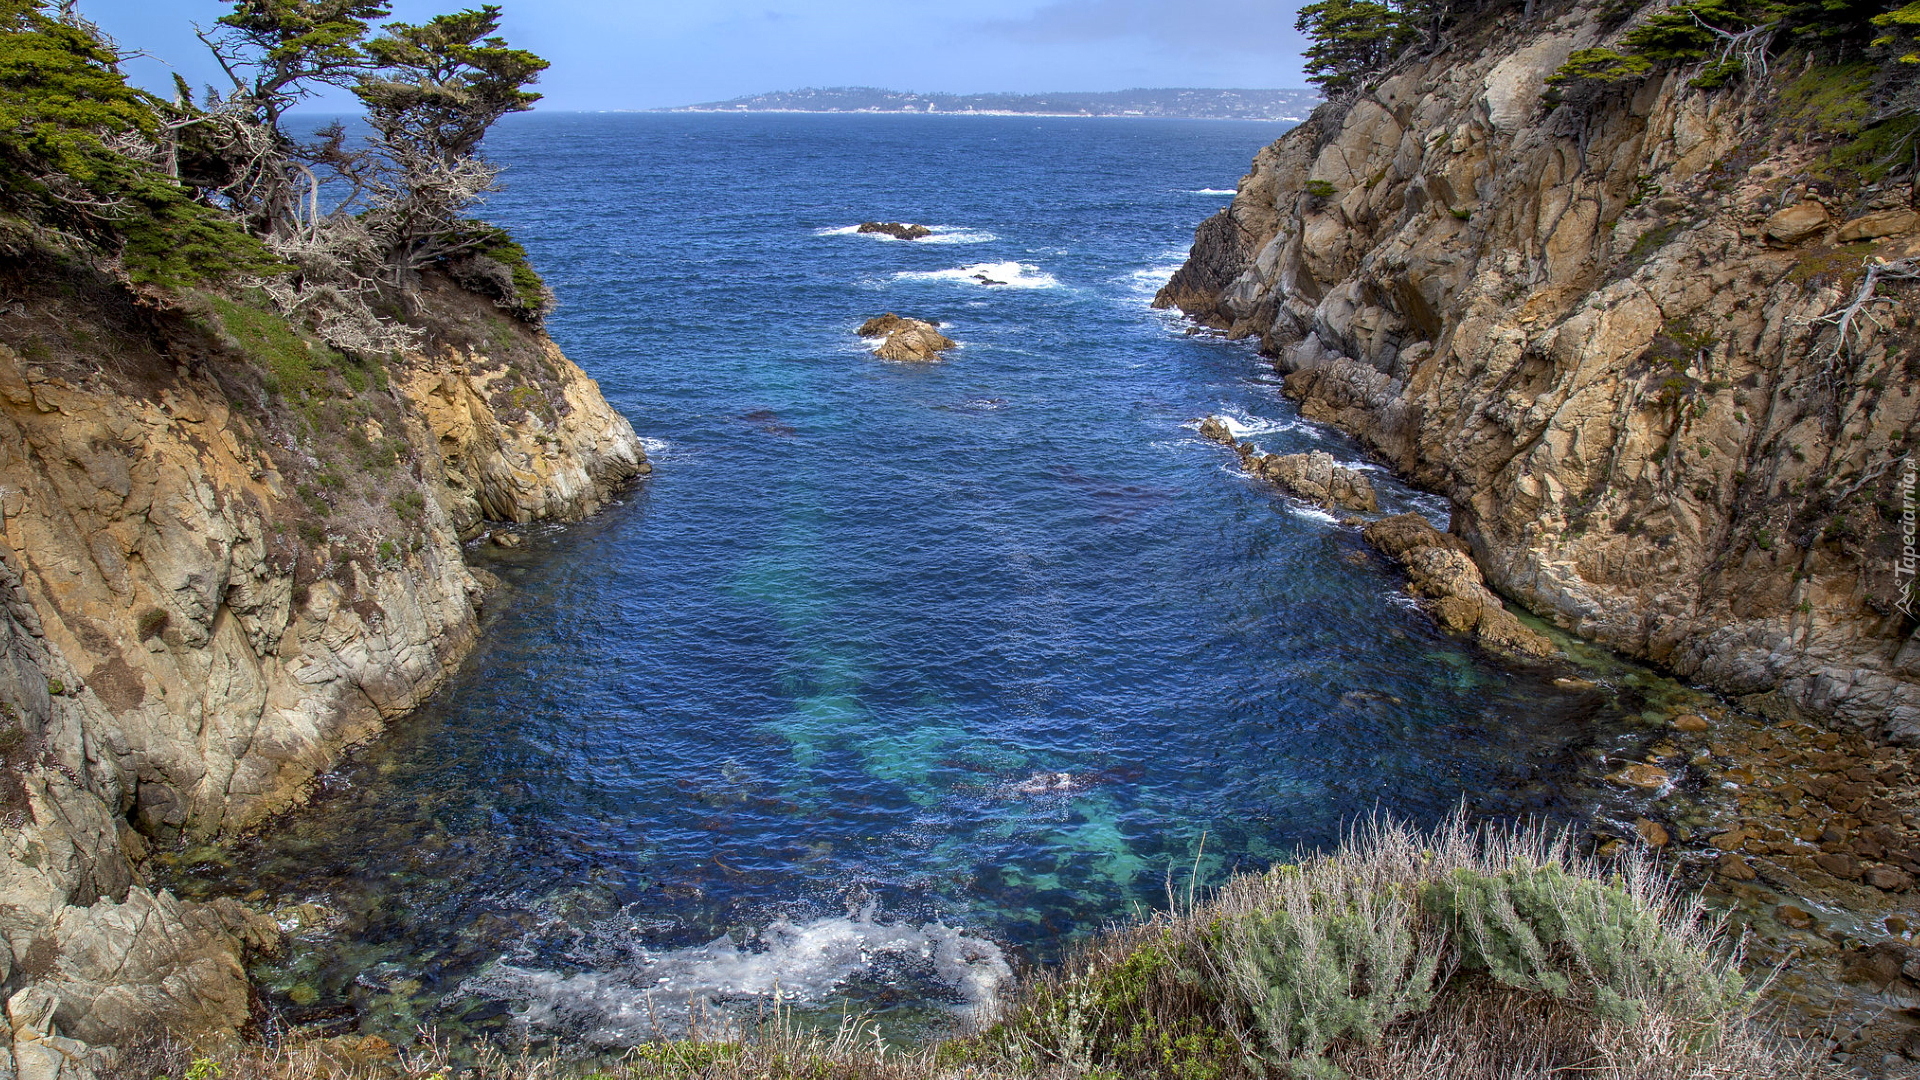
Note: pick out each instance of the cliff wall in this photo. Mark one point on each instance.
(230, 553)
(1598, 329)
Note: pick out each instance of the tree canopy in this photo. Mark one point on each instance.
(332, 227)
(1355, 40)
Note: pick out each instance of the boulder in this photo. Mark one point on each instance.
(911, 340)
(1875, 226)
(1794, 916)
(1641, 775)
(880, 325)
(1797, 222)
(899, 230)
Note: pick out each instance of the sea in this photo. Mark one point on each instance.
(893, 681)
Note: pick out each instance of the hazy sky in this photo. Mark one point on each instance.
(609, 54)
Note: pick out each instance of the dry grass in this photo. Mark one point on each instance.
(1463, 954)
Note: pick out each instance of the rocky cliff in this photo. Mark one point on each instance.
(1607, 330)
(230, 553)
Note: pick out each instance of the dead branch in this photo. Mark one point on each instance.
(1845, 317)
(1748, 46)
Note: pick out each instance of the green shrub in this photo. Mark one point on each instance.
(1320, 189)
(490, 262)
(1401, 947)
(1330, 962)
(1681, 34)
(1598, 66)
(1900, 33)
(295, 367)
(1547, 930)
(1714, 76)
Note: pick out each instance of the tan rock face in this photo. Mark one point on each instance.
(203, 601)
(1608, 351)
(1317, 478)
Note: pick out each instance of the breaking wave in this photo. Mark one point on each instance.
(1009, 275)
(635, 993)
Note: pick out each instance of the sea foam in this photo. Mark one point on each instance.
(1008, 275)
(635, 993)
(1246, 427)
(1148, 281)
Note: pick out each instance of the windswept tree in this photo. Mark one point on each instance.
(275, 53)
(432, 92)
(79, 155)
(1355, 40)
(356, 218)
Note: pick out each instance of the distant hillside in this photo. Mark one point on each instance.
(1178, 103)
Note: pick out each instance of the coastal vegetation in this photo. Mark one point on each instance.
(218, 189)
(1461, 954)
(1867, 48)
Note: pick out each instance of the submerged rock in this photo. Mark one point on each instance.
(912, 340)
(1641, 775)
(899, 230)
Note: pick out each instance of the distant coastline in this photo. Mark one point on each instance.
(1171, 103)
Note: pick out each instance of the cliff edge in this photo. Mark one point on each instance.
(1608, 330)
(231, 552)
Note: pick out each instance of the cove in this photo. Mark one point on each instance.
(894, 676)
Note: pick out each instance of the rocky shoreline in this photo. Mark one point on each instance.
(1605, 351)
(1602, 352)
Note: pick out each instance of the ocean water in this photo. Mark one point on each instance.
(892, 678)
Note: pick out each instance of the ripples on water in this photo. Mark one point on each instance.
(892, 674)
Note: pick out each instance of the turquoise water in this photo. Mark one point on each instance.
(898, 676)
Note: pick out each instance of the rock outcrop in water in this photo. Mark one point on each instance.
(1606, 331)
(899, 230)
(228, 556)
(1440, 570)
(1313, 476)
(907, 340)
